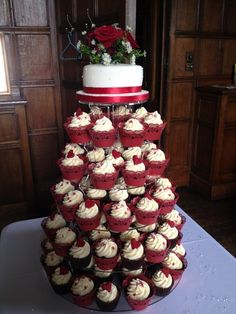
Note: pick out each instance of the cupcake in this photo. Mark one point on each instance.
(132, 273)
(103, 275)
(77, 149)
(70, 204)
(107, 296)
(64, 239)
(147, 210)
(51, 261)
(162, 281)
(96, 155)
(138, 293)
(154, 125)
(106, 254)
(175, 265)
(116, 159)
(119, 216)
(169, 232)
(166, 199)
(80, 254)
(103, 133)
(165, 183)
(52, 223)
(101, 232)
(140, 113)
(130, 234)
(117, 146)
(145, 228)
(157, 162)
(83, 290)
(96, 113)
(156, 248)
(103, 175)
(134, 172)
(77, 127)
(121, 114)
(179, 250)
(136, 190)
(130, 152)
(132, 133)
(46, 245)
(175, 218)
(60, 189)
(87, 216)
(72, 167)
(132, 254)
(61, 279)
(118, 193)
(96, 194)
(147, 147)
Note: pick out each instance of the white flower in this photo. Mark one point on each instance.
(84, 33)
(106, 59)
(78, 45)
(93, 52)
(133, 60)
(127, 46)
(93, 42)
(128, 28)
(101, 47)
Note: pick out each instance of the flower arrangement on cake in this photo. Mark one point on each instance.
(110, 44)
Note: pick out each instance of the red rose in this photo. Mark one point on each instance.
(131, 40)
(106, 35)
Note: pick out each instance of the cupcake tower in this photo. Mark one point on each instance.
(114, 229)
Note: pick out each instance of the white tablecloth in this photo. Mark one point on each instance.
(208, 285)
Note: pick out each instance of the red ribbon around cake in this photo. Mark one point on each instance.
(112, 90)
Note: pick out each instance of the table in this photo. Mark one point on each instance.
(208, 285)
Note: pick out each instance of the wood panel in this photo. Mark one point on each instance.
(229, 56)
(228, 157)
(9, 130)
(4, 17)
(229, 17)
(182, 46)
(211, 15)
(186, 18)
(182, 94)
(209, 54)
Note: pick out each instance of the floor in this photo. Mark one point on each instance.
(217, 217)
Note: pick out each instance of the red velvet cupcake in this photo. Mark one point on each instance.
(132, 255)
(132, 133)
(166, 199)
(156, 162)
(103, 133)
(103, 175)
(51, 261)
(70, 204)
(60, 189)
(134, 172)
(53, 223)
(87, 216)
(83, 290)
(162, 281)
(64, 239)
(147, 210)
(80, 254)
(61, 279)
(154, 126)
(156, 248)
(107, 296)
(106, 254)
(175, 264)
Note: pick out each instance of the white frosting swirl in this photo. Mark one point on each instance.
(179, 249)
(96, 155)
(135, 272)
(133, 125)
(77, 150)
(63, 187)
(98, 272)
(65, 236)
(138, 289)
(115, 161)
(160, 280)
(116, 194)
(85, 212)
(140, 113)
(148, 146)
(55, 221)
(72, 161)
(174, 216)
(73, 198)
(156, 155)
(130, 166)
(145, 228)
(81, 120)
(134, 190)
(156, 242)
(163, 182)
(169, 232)
(100, 232)
(132, 151)
(80, 251)
(104, 167)
(146, 204)
(153, 118)
(82, 286)
(172, 261)
(132, 253)
(129, 234)
(121, 111)
(103, 124)
(164, 194)
(52, 259)
(120, 210)
(107, 296)
(106, 248)
(61, 279)
(96, 193)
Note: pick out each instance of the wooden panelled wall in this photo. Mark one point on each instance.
(207, 31)
(31, 127)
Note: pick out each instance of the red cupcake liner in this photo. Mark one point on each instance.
(43, 246)
(103, 181)
(116, 224)
(155, 257)
(78, 135)
(88, 224)
(177, 273)
(147, 217)
(131, 138)
(157, 168)
(106, 263)
(133, 178)
(68, 212)
(58, 198)
(167, 206)
(72, 173)
(103, 138)
(62, 249)
(49, 269)
(84, 300)
(154, 131)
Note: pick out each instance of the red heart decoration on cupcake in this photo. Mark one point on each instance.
(135, 244)
(70, 154)
(89, 203)
(116, 154)
(137, 160)
(80, 242)
(165, 271)
(64, 270)
(147, 195)
(171, 223)
(107, 286)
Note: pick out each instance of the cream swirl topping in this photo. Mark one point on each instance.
(163, 182)
(96, 193)
(153, 118)
(134, 190)
(131, 166)
(133, 125)
(156, 242)
(61, 279)
(135, 272)
(115, 161)
(179, 249)
(145, 228)
(129, 234)
(82, 286)
(65, 236)
(132, 253)
(87, 212)
(96, 155)
(103, 124)
(72, 161)
(164, 194)
(105, 295)
(63, 187)
(148, 146)
(174, 216)
(100, 232)
(116, 194)
(169, 232)
(104, 167)
(140, 113)
(132, 151)
(106, 248)
(73, 198)
(138, 289)
(120, 210)
(121, 111)
(172, 261)
(156, 155)
(147, 204)
(98, 272)
(95, 110)
(80, 251)
(77, 150)
(160, 280)
(82, 120)
(55, 221)
(52, 259)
